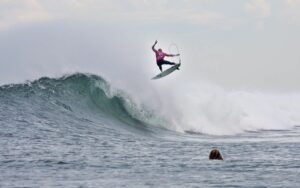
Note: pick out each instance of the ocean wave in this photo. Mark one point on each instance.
(81, 95)
(205, 109)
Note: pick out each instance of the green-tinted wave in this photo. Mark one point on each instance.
(80, 95)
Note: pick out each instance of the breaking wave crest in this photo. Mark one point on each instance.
(204, 110)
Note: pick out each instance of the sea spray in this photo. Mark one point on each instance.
(207, 108)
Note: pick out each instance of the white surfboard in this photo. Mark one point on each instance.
(167, 72)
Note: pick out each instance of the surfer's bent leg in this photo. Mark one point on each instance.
(160, 68)
(164, 62)
(159, 65)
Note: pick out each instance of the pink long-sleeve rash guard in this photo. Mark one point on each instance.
(160, 55)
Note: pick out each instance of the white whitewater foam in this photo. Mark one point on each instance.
(209, 109)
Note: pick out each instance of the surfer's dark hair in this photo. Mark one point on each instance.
(215, 155)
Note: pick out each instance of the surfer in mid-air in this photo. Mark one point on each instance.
(160, 55)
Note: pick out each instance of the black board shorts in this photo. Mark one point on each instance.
(164, 62)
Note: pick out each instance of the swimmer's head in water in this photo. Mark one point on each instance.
(215, 155)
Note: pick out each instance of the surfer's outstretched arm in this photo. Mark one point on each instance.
(172, 55)
(153, 47)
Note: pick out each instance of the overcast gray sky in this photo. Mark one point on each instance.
(244, 44)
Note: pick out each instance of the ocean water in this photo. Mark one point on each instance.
(77, 131)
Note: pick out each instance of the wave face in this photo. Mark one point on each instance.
(202, 110)
(82, 97)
